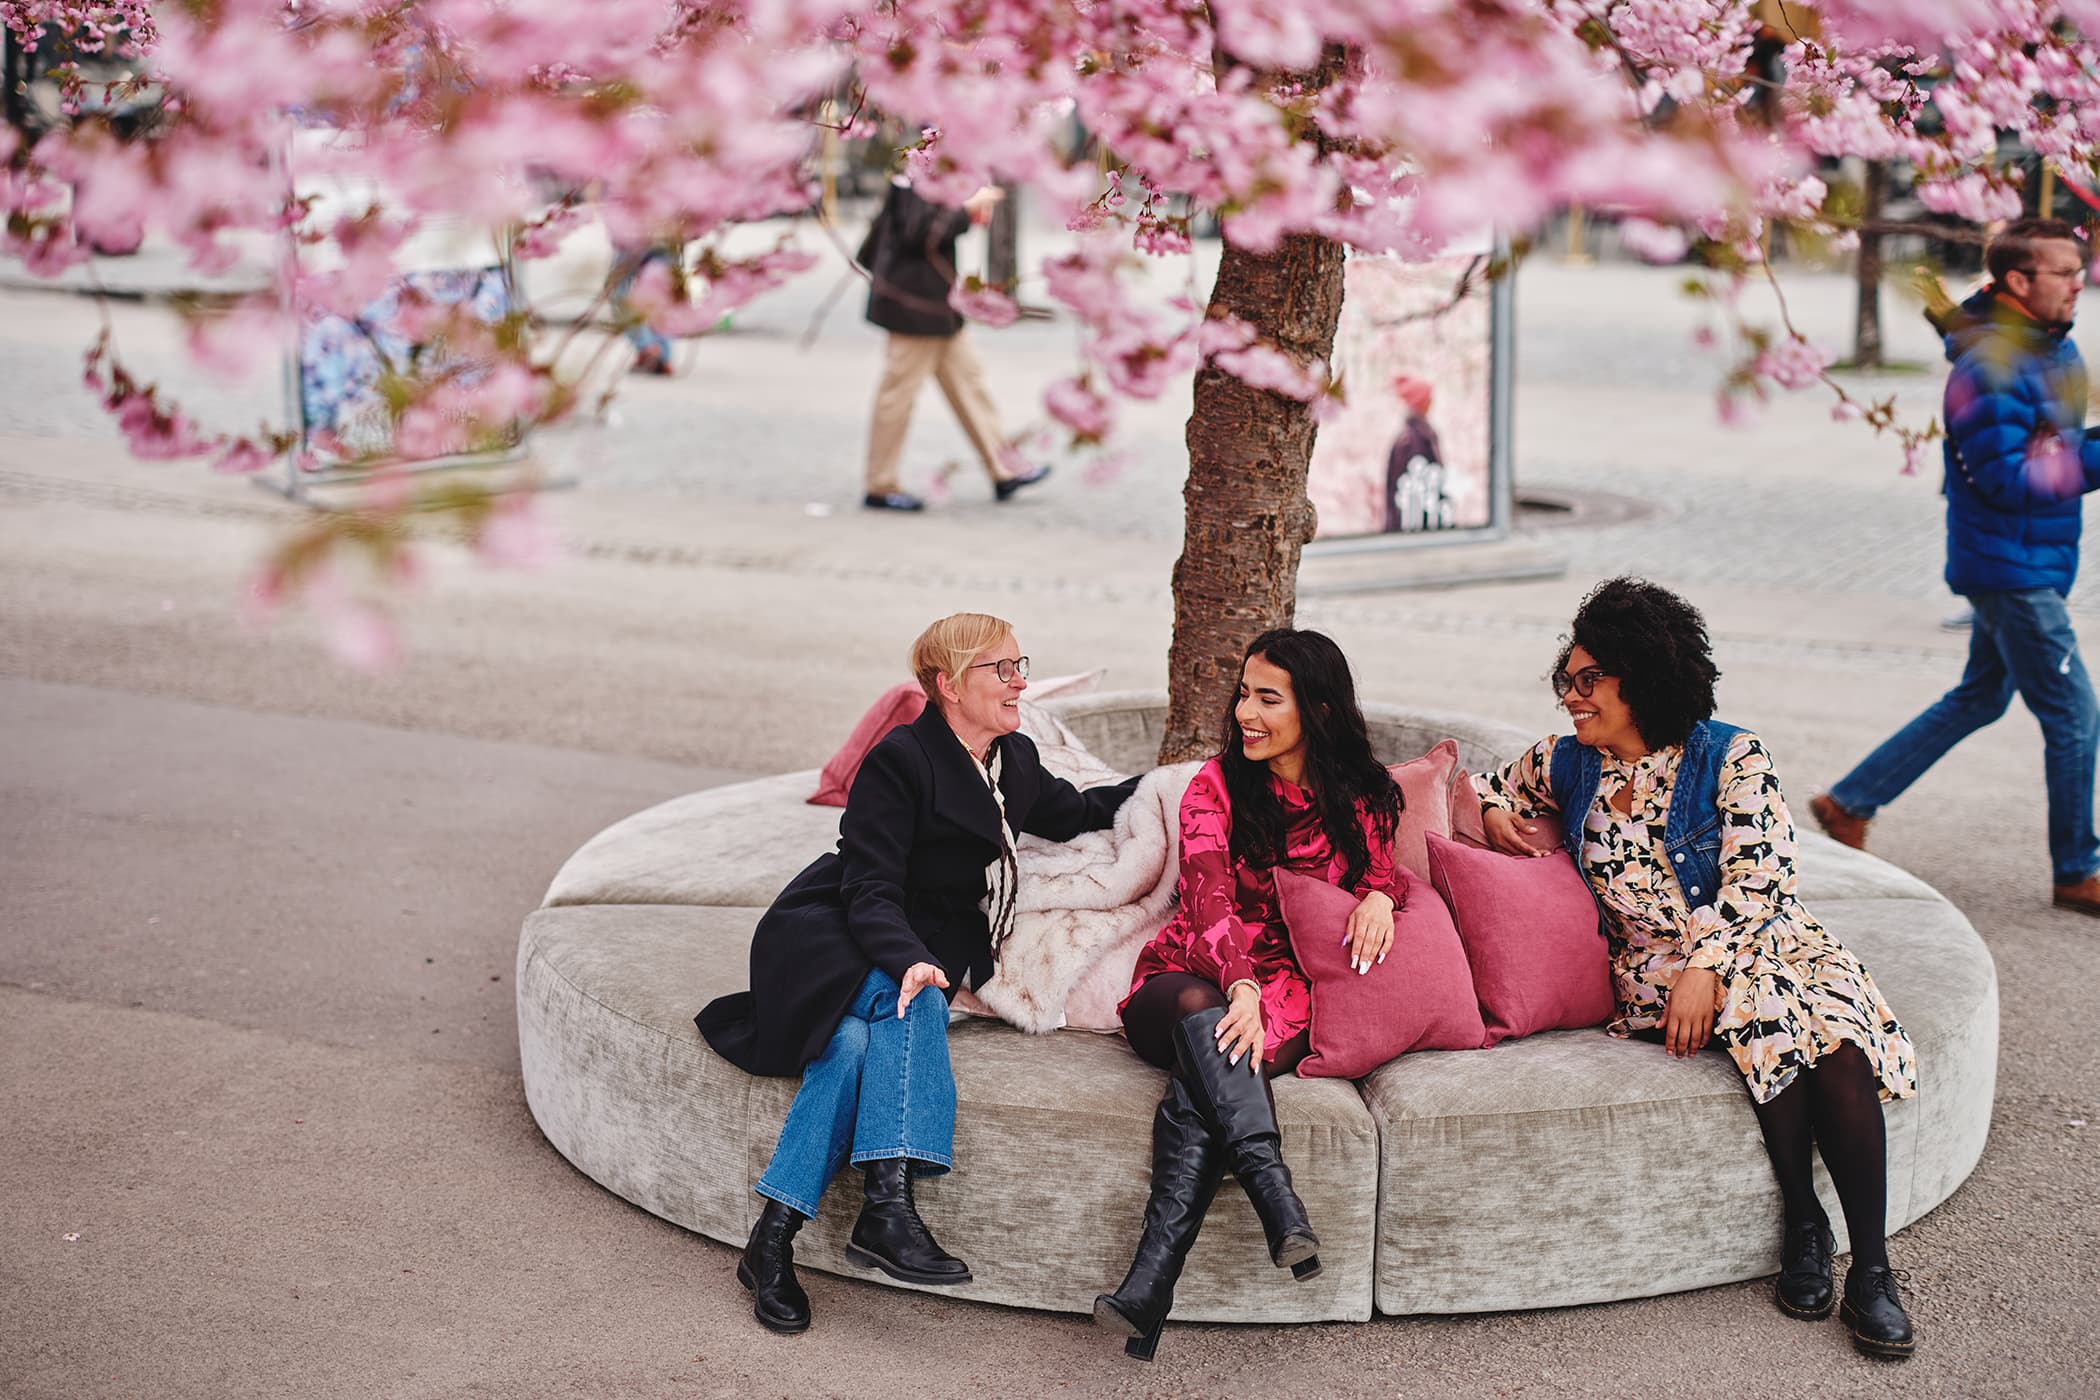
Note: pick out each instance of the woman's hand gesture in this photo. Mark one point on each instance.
(1369, 933)
(1518, 836)
(1240, 1030)
(1688, 1021)
(917, 977)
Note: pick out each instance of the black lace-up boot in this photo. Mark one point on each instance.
(1187, 1166)
(1239, 1105)
(890, 1236)
(768, 1270)
(1805, 1289)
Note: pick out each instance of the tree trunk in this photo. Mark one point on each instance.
(1247, 512)
(1002, 260)
(1866, 342)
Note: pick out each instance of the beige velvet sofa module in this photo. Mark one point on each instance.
(1539, 1173)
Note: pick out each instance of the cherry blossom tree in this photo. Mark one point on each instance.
(1308, 128)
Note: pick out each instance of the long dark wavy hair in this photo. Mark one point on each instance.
(1345, 777)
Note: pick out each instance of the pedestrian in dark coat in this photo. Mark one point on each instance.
(840, 960)
(910, 257)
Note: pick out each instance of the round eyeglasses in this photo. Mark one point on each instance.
(1007, 669)
(1582, 682)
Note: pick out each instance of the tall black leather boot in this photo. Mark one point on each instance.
(1242, 1109)
(768, 1270)
(890, 1236)
(1187, 1165)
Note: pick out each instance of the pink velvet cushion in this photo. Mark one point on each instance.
(900, 704)
(1439, 798)
(1419, 998)
(1529, 927)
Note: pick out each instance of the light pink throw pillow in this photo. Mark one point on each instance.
(1439, 798)
(1419, 998)
(1529, 925)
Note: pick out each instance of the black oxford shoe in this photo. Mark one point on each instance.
(1873, 1309)
(1804, 1270)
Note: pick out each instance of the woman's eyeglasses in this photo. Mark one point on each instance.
(1008, 669)
(1582, 682)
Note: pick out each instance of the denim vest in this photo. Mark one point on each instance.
(1691, 827)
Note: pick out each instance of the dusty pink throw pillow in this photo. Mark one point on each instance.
(1439, 798)
(1419, 998)
(900, 704)
(1529, 926)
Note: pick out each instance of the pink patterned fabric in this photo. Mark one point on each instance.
(1229, 925)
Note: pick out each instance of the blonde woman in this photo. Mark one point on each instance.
(840, 961)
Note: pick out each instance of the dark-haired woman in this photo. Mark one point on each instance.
(1217, 1000)
(1678, 824)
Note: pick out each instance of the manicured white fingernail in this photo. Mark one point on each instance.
(1235, 1057)
(1362, 968)
(1381, 957)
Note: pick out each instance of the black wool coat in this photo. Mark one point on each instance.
(910, 257)
(903, 887)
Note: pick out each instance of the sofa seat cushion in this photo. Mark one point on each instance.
(1053, 1133)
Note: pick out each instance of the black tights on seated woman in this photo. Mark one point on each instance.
(1157, 1007)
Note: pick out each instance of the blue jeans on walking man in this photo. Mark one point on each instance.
(882, 1088)
(2020, 642)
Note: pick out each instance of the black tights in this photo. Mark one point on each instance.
(1166, 998)
(1836, 1106)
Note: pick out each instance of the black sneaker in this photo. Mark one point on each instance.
(1873, 1309)
(892, 500)
(1004, 490)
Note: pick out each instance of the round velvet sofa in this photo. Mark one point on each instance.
(1533, 1174)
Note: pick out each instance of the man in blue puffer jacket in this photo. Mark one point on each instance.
(2019, 462)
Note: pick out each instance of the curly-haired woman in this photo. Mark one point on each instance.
(1217, 999)
(1677, 822)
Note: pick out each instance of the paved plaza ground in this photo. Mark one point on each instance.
(257, 1048)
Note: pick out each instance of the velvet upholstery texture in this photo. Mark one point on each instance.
(1530, 929)
(1538, 1173)
(1420, 998)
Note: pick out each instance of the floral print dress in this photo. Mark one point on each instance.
(1229, 924)
(1790, 992)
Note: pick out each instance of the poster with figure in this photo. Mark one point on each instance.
(1410, 452)
(343, 362)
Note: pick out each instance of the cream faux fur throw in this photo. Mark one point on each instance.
(1086, 907)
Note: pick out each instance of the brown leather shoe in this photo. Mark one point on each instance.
(1840, 825)
(2083, 896)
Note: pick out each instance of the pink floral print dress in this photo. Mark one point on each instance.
(1790, 992)
(1229, 924)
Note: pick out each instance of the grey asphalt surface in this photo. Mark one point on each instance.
(256, 1046)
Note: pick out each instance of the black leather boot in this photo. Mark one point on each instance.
(1805, 1289)
(1242, 1109)
(768, 1271)
(1187, 1165)
(1873, 1309)
(890, 1236)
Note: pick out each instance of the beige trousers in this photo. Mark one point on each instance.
(953, 363)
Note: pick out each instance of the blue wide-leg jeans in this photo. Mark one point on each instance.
(2020, 642)
(882, 1088)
